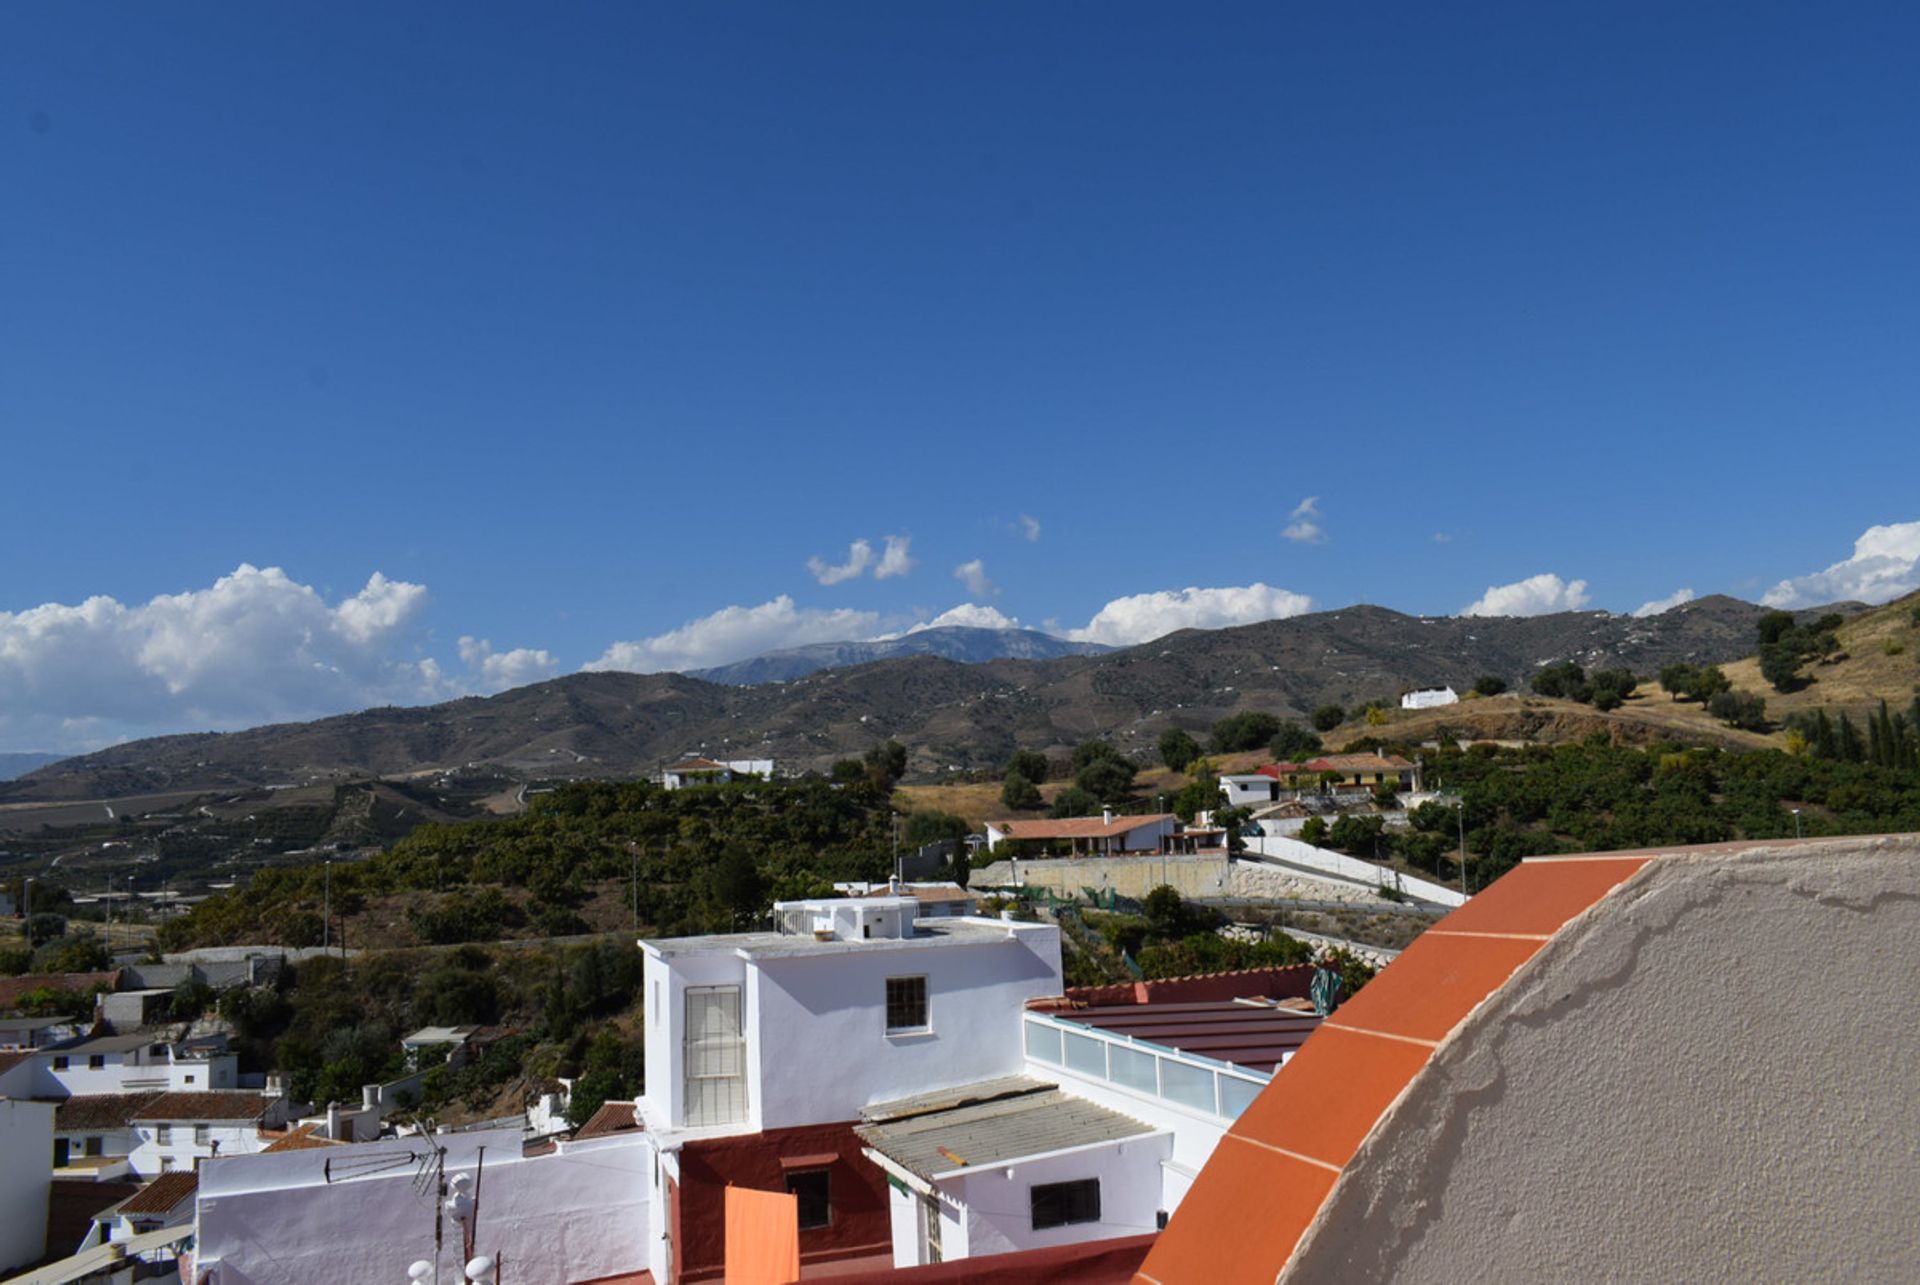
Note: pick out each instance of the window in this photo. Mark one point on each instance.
(201, 1133)
(96, 1061)
(166, 1164)
(96, 1146)
(812, 1187)
(189, 1079)
(906, 1004)
(163, 1134)
(715, 1057)
(1058, 1204)
(59, 1064)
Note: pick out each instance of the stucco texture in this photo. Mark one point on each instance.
(1709, 1075)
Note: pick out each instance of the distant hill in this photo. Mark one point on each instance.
(950, 714)
(970, 646)
(12, 765)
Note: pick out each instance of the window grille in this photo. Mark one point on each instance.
(906, 1004)
(716, 1056)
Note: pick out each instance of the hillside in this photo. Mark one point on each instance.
(969, 646)
(953, 715)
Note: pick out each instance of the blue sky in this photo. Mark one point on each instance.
(584, 331)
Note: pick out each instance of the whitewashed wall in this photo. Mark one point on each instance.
(998, 1204)
(1294, 852)
(816, 1024)
(26, 1177)
(578, 1214)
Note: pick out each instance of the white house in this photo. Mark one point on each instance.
(129, 1064)
(94, 1135)
(167, 1201)
(764, 1049)
(1428, 698)
(39, 1032)
(177, 1131)
(700, 770)
(1106, 835)
(26, 1138)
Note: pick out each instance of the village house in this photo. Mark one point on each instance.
(1106, 835)
(1429, 698)
(177, 1131)
(1329, 774)
(700, 770)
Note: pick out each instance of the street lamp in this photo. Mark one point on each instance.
(1796, 823)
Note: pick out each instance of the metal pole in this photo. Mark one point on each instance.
(1460, 812)
(1796, 823)
(635, 853)
(326, 912)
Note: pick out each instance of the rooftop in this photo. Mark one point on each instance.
(243, 1107)
(33, 1023)
(1258, 1036)
(99, 1111)
(1030, 1123)
(439, 1035)
(1619, 963)
(612, 1117)
(103, 1044)
(163, 1195)
(770, 945)
(303, 1138)
(1078, 827)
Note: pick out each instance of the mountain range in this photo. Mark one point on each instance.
(952, 642)
(950, 713)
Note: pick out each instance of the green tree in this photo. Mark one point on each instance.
(1019, 794)
(1565, 680)
(1740, 709)
(1291, 742)
(1678, 679)
(1780, 665)
(1489, 685)
(886, 763)
(1328, 717)
(1200, 794)
(734, 887)
(1247, 730)
(1110, 779)
(1314, 831)
(1031, 764)
(1074, 802)
(1178, 749)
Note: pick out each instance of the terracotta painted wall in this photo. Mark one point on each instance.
(858, 1195)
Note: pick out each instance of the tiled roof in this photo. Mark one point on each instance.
(1266, 1182)
(1077, 827)
(994, 1132)
(239, 1107)
(100, 1111)
(1256, 1036)
(163, 1194)
(697, 765)
(1244, 983)
(302, 1138)
(11, 1059)
(12, 989)
(612, 1117)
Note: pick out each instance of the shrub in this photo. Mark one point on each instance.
(1247, 730)
(1328, 717)
(1178, 749)
(1739, 709)
(1489, 685)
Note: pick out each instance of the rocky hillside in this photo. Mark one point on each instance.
(950, 713)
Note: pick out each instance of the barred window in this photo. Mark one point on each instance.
(906, 1004)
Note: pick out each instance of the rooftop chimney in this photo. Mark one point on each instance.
(1106, 814)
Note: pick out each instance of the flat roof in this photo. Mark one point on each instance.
(1255, 1035)
(34, 1023)
(994, 1132)
(104, 1044)
(956, 931)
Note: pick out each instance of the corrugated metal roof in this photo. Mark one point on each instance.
(1006, 1086)
(1255, 1036)
(990, 1133)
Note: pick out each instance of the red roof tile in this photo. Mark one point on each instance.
(163, 1194)
(301, 1139)
(1265, 1183)
(100, 1111)
(612, 1117)
(239, 1107)
(12, 989)
(1076, 827)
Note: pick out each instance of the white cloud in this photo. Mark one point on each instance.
(256, 646)
(497, 671)
(1145, 616)
(1534, 596)
(894, 559)
(1305, 527)
(1668, 603)
(974, 576)
(734, 633)
(1884, 565)
(967, 615)
(1442, 537)
(859, 558)
(1029, 527)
